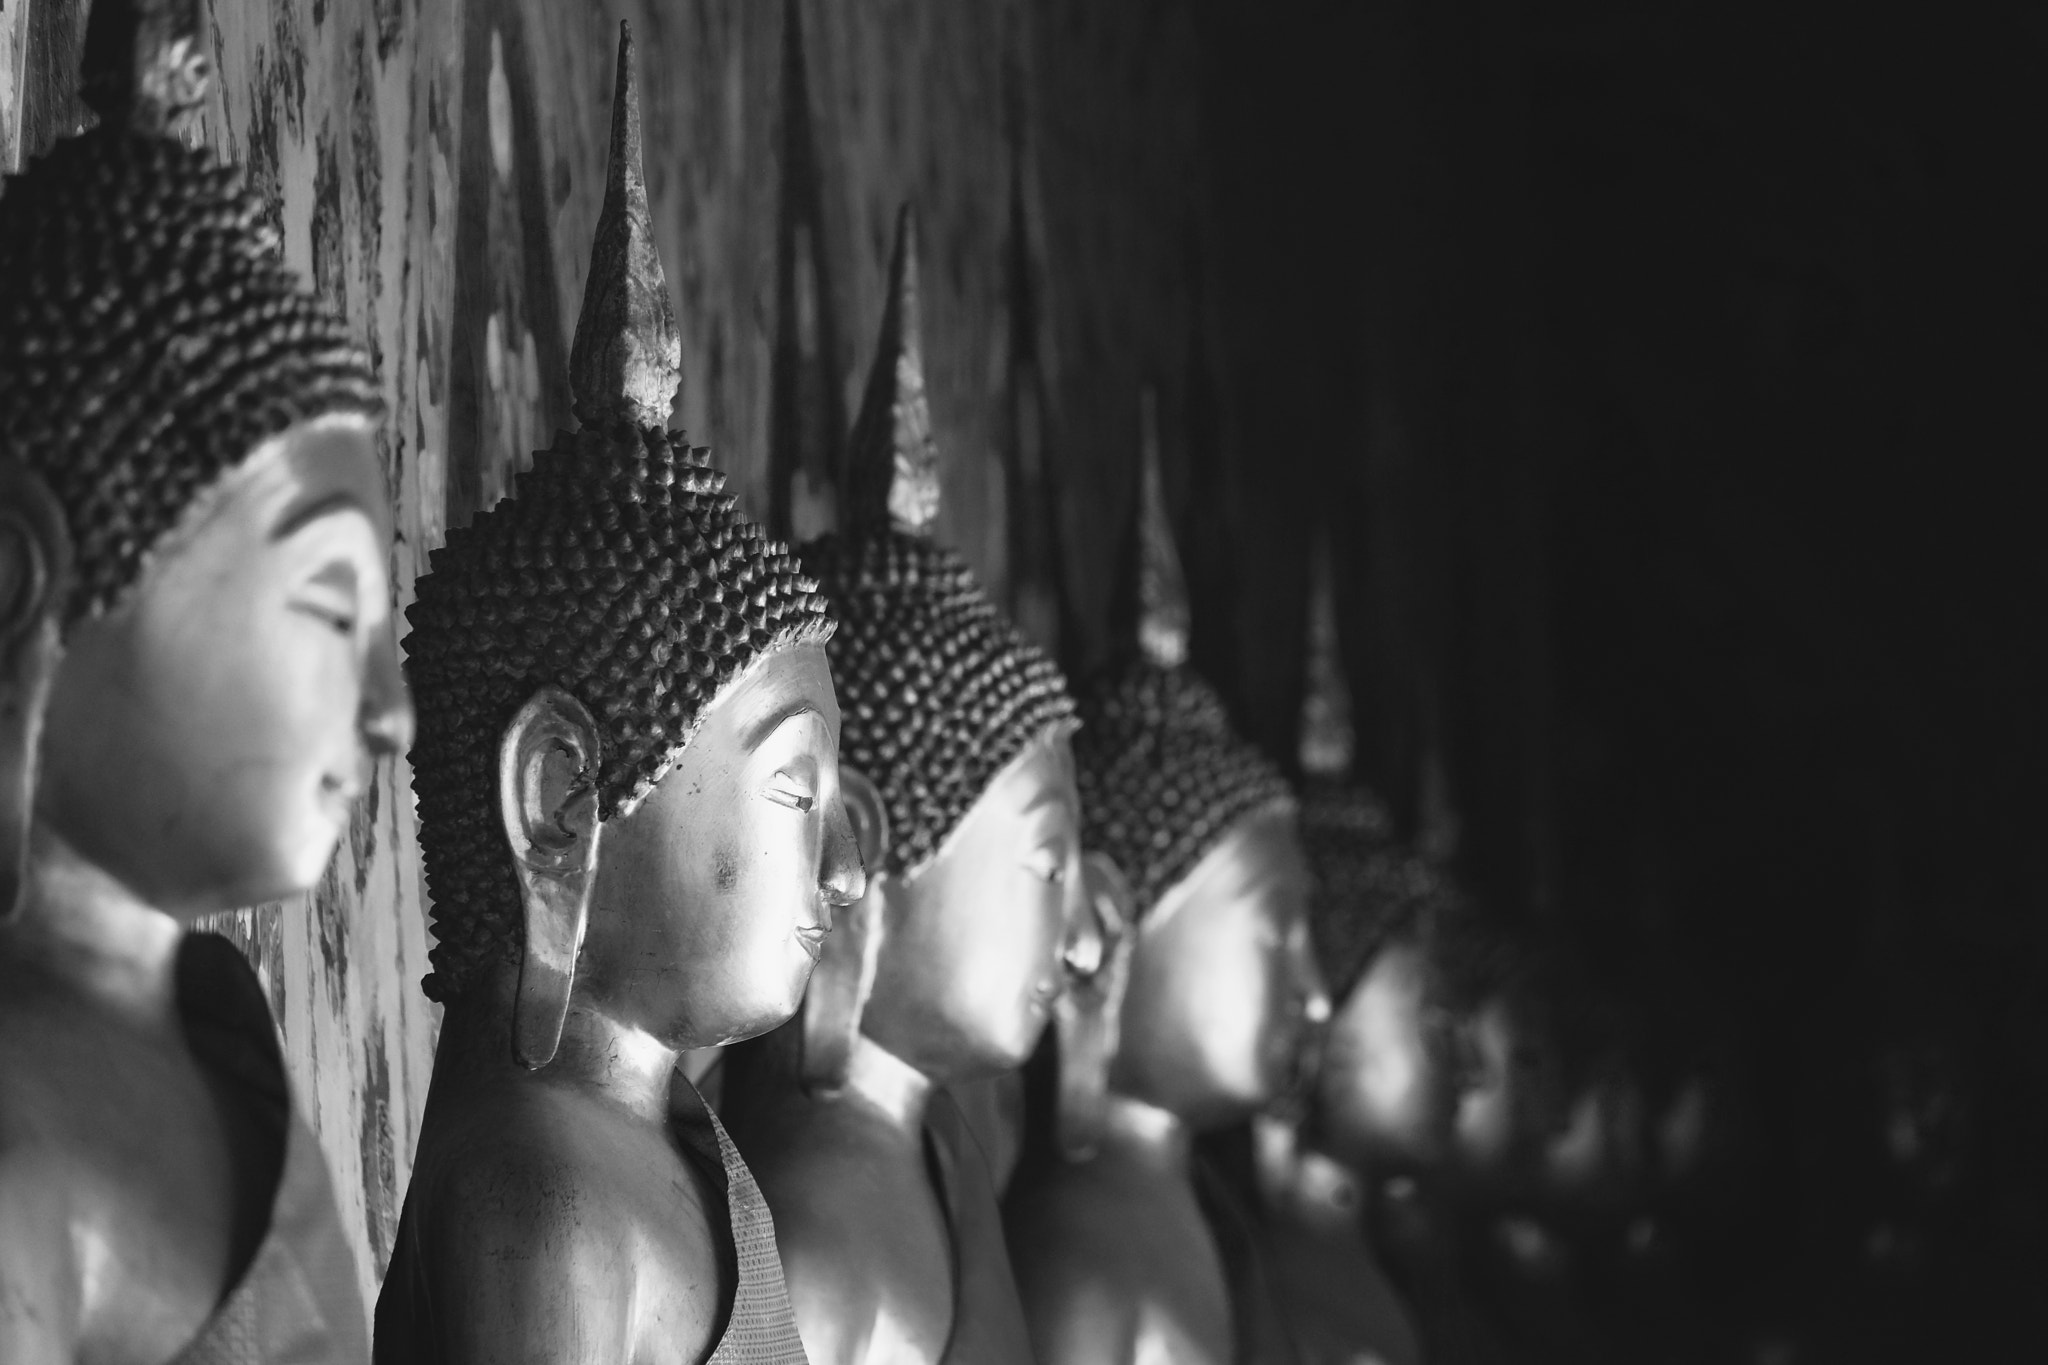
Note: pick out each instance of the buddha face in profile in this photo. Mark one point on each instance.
(220, 532)
(208, 735)
(971, 964)
(714, 895)
(1223, 986)
(1387, 1087)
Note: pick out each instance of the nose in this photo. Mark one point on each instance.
(386, 721)
(1308, 980)
(1085, 942)
(841, 877)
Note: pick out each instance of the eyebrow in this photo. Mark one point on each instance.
(1047, 796)
(751, 737)
(313, 511)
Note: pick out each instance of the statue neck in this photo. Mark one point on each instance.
(83, 927)
(888, 1084)
(599, 1054)
(1144, 1132)
(621, 1062)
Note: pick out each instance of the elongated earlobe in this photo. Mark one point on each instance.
(547, 796)
(1098, 963)
(35, 573)
(845, 976)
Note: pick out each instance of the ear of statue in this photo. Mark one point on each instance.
(838, 993)
(35, 572)
(547, 797)
(1098, 964)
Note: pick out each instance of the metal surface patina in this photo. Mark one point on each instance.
(635, 842)
(197, 675)
(1124, 1248)
(962, 779)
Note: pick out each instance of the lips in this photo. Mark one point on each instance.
(341, 792)
(812, 937)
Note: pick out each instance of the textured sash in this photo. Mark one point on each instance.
(298, 1303)
(988, 1317)
(762, 1328)
(1262, 1338)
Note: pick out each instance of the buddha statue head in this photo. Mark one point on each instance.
(627, 767)
(195, 628)
(1222, 985)
(957, 765)
(1384, 1082)
(1508, 994)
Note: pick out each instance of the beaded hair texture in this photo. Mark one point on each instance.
(938, 691)
(1369, 887)
(1163, 774)
(151, 338)
(619, 569)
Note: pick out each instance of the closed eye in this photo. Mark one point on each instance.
(787, 790)
(330, 597)
(341, 622)
(1048, 864)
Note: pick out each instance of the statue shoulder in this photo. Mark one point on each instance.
(517, 1259)
(39, 1307)
(553, 1227)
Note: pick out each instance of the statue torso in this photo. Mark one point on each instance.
(1116, 1262)
(633, 1239)
(1340, 1307)
(892, 1239)
(179, 1168)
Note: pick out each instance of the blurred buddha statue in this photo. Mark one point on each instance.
(1125, 1249)
(197, 677)
(1315, 1172)
(961, 782)
(628, 788)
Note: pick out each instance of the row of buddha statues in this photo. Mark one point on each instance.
(998, 966)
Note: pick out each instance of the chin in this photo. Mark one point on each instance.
(772, 1008)
(1013, 1052)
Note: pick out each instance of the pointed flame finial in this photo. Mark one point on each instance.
(892, 461)
(145, 64)
(1163, 616)
(1327, 738)
(626, 359)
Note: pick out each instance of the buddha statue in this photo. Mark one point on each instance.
(961, 783)
(1125, 1246)
(1314, 1172)
(628, 785)
(197, 677)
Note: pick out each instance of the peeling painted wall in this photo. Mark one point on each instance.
(436, 170)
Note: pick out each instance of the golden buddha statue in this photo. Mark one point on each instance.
(634, 838)
(958, 772)
(1315, 1181)
(1124, 1248)
(197, 677)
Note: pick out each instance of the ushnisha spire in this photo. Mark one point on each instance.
(1163, 775)
(938, 690)
(1163, 616)
(892, 461)
(144, 65)
(1327, 739)
(626, 358)
(1369, 886)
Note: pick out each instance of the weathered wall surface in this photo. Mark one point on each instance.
(436, 169)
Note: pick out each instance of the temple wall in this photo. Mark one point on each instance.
(436, 169)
